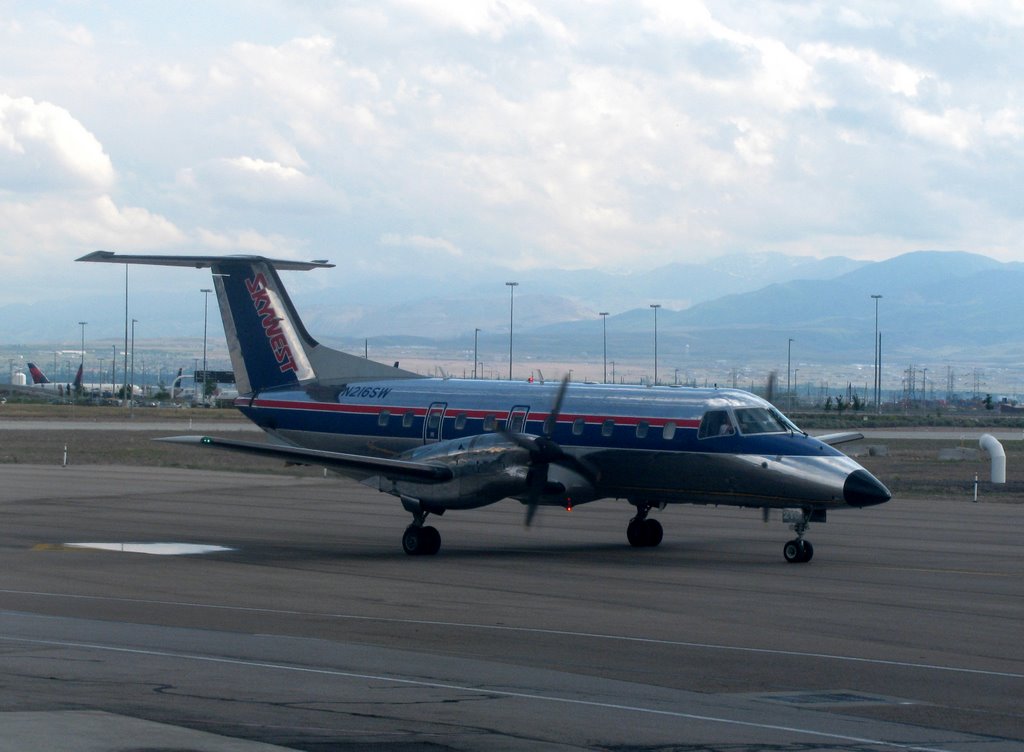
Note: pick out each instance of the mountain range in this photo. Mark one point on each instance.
(936, 306)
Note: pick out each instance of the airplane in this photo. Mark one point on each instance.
(441, 444)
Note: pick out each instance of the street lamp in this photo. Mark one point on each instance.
(789, 383)
(604, 327)
(206, 304)
(655, 306)
(476, 334)
(511, 307)
(129, 394)
(878, 361)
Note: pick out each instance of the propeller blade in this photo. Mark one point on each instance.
(556, 409)
(537, 479)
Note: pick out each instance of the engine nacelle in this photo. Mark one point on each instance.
(485, 468)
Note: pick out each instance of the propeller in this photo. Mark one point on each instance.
(545, 452)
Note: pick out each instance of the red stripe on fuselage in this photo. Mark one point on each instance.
(352, 409)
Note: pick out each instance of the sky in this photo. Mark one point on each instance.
(409, 134)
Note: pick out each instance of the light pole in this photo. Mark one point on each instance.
(604, 337)
(113, 371)
(81, 367)
(655, 306)
(129, 393)
(511, 308)
(789, 383)
(206, 304)
(124, 386)
(878, 361)
(476, 334)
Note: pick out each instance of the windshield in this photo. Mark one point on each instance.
(753, 420)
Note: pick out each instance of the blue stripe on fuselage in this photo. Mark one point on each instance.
(355, 416)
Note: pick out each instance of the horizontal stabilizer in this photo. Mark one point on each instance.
(389, 468)
(840, 438)
(200, 262)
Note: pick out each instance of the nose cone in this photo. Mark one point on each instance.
(862, 489)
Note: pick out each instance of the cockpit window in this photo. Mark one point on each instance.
(715, 423)
(761, 420)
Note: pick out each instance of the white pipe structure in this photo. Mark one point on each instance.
(990, 444)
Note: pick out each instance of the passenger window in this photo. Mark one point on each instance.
(383, 418)
(641, 429)
(490, 422)
(408, 419)
(668, 431)
(577, 427)
(715, 423)
(607, 428)
(460, 422)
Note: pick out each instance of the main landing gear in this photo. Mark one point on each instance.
(799, 550)
(642, 532)
(419, 539)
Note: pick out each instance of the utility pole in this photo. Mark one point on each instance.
(511, 308)
(655, 306)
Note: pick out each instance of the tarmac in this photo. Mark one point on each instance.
(287, 617)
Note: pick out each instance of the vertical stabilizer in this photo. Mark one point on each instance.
(267, 341)
(38, 377)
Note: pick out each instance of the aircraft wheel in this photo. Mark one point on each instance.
(653, 533)
(644, 533)
(634, 533)
(432, 544)
(421, 541)
(792, 551)
(798, 551)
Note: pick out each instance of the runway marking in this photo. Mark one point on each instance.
(533, 630)
(477, 690)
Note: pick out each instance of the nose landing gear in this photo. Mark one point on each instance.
(799, 550)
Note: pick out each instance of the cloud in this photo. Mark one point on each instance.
(257, 183)
(423, 243)
(44, 227)
(42, 147)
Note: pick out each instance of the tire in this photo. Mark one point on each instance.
(430, 541)
(653, 533)
(635, 533)
(412, 541)
(792, 552)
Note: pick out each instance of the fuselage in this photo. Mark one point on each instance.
(655, 445)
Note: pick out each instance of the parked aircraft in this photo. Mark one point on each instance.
(40, 381)
(440, 444)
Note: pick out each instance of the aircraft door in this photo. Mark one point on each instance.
(434, 422)
(517, 419)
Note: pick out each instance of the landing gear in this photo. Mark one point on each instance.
(642, 532)
(799, 550)
(421, 541)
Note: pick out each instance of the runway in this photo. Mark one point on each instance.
(313, 631)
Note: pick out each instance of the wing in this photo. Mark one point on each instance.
(840, 438)
(423, 472)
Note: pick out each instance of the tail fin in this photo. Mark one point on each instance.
(268, 343)
(78, 380)
(38, 377)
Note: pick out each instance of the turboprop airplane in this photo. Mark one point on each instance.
(441, 444)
